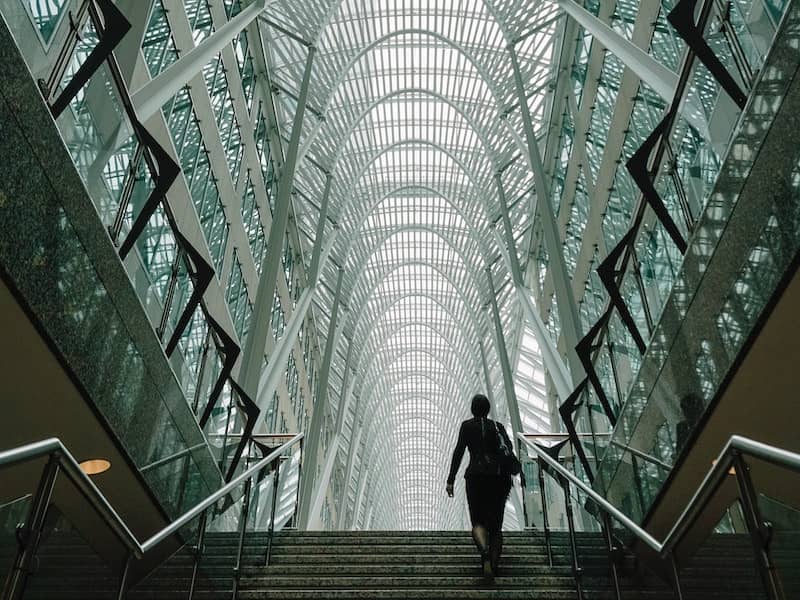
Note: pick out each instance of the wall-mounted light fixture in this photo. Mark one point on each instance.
(95, 466)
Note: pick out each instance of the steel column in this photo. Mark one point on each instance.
(321, 487)
(275, 370)
(318, 413)
(648, 69)
(313, 271)
(149, 99)
(567, 307)
(486, 377)
(552, 359)
(355, 440)
(505, 365)
(261, 320)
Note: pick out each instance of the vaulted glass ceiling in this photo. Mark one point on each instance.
(412, 110)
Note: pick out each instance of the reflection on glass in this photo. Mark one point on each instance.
(784, 547)
(46, 15)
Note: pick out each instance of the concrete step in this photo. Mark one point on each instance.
(431, 549)
(411, 582)
(397, 558)
(410, 540)
(424, 570)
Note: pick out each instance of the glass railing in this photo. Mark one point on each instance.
(676, 177)
(236, 532)
(782, 526)
(686, 157)
(729, 539)
(12, 519)
(66, 561)
(65, 537)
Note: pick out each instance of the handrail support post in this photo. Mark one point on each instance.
(198, 550)
(122, 591)
(243, 516)
(31, 533)
(756, 527)
(608, 532)
(675, 576)
(576, 567)
(545, 519)
(271, 531)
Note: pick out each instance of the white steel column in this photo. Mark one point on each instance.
(567, 307)
(508, 378)
(648, 69)
(313, 271)
(318, 412)
(347, 388)
(486, 377)
(362, 484)
(552, 359)
(580, 125)
(355, 440)
(262, 310)
(505, 364)
(321, 489)
(149, 99)
(138, 12)
(269, 378)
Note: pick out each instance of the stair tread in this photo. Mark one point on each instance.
(409, 565)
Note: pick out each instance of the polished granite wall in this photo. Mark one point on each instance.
(56, 255)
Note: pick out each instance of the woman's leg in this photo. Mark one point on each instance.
(496, 548)
(496, 529)
(481, 536)
(478, 512)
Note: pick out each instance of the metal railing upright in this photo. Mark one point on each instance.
(731, 456)
(60, 460)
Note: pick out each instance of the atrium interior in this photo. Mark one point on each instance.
(257, 256)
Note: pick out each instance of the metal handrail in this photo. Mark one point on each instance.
(53, 448)
(639, 454)
(736, 446)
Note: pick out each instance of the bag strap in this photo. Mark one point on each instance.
(501, 438)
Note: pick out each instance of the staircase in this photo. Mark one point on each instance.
(442, 565)
(402, 565)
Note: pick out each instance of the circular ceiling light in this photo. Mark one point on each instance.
(95, 466)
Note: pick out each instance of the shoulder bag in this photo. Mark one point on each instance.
(508, 463)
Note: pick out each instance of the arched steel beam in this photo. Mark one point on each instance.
(470, 311)
(376, 352)
(385, 385)
(351, 184)
(399, 299)
(484, 75)
(360, 266)
(416, 90)
(473, 229)
(379, 386)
